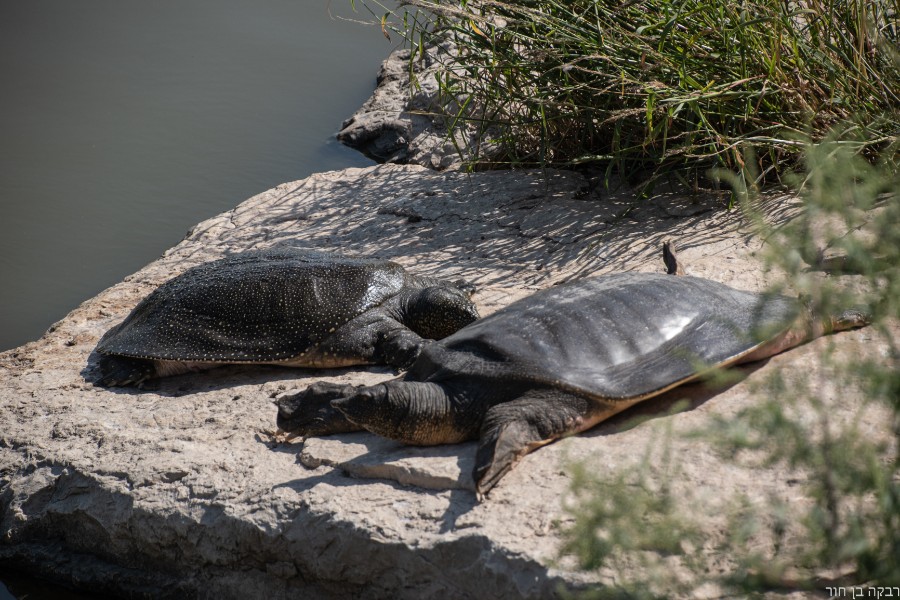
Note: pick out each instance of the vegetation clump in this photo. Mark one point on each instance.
(842, 539)
(663, 85)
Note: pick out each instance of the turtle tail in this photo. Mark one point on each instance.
(670, 258)
(121, 371)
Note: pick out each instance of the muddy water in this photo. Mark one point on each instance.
(124, 122)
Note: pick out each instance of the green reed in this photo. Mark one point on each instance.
(662, 84)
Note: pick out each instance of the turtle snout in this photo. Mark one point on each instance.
(287, 411)
(307, 412)
(466, 287)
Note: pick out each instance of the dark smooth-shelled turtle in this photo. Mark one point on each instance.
(284, 306)
(559, 362)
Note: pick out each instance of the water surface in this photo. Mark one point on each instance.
(123, 123)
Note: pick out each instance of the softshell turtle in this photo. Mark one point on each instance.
(559, 362)
(286, 306)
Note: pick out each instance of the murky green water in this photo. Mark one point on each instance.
(124, 122)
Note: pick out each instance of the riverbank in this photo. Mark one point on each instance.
(178, 491)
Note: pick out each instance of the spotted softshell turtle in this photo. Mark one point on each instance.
(285, 306)
(559, 362)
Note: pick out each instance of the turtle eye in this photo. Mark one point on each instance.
(464, 286)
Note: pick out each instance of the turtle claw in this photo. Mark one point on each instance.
(412, 412)
(498, 452)
(279, 436)
(513, 429)
(284, 437)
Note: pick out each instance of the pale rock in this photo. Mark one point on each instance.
(177, 490)
(406, 123)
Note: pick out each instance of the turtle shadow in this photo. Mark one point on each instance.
(379, 461)
(438, 468)
(684, 398)
(227, 376)
(424, 470)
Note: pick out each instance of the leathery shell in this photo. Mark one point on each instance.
(615, 337)
(257, 306)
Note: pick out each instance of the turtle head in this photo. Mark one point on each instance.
(437, 311)
(413, 412)
(823, 321)
(851, 318)
(297, 417)
(310, 413)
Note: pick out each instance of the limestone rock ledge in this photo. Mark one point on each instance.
(176, 490)
(397, 125)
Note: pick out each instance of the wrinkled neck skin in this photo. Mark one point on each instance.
(811, 324)
(818, 324)
(413, 308)
(432, 413)
(433, 308)
(416, 413)
(806, 327)
(398, 307)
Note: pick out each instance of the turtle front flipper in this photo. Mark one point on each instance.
(373, 337)
(121, 371)
(398, 347)
(309, 413)
(513, 429)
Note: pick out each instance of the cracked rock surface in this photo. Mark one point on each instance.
(176, 490)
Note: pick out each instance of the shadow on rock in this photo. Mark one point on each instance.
(225, 377)
(682, 399)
